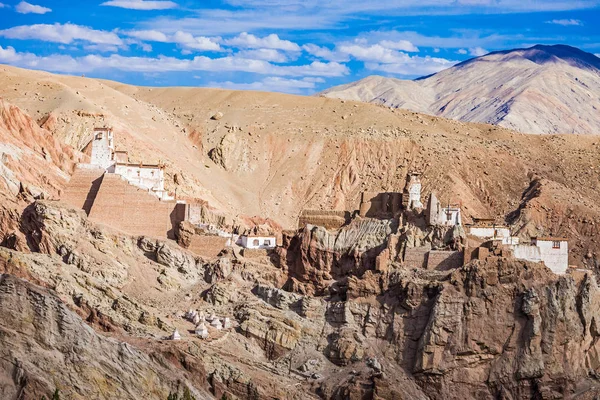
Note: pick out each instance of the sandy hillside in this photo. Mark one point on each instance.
(543, 89)
(272, 155)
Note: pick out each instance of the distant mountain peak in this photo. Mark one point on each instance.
(539, 89)
(545, 54)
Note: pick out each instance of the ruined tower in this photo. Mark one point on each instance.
(411, 197)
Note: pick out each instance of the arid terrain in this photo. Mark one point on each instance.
(542, 89)
(86, 308)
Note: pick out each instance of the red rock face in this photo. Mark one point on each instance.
(315, 258)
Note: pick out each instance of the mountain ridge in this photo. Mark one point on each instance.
(532, 90)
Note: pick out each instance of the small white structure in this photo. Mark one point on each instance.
(103, 148)
(202, 331)
(211, 318)
(413, 191)
(226, 323)
(216, 323)
(175, 335)
(494, 232)
(445, 216)
(553, 252)
(257, 242)
(196, 319)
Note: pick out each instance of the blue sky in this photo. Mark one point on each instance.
(294, 46)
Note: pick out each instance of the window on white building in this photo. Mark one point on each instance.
(256, 242)
(556, 244)
(267, 242)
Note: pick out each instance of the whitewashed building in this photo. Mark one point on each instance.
(494, 232)
(257, 242)
(553, 252)
(439, 215)
(144, 176)
(149, 177)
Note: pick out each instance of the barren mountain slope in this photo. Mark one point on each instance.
(346, 326)
(273, 155)
(543, 89)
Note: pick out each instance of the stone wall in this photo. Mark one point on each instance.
(441, 260)
(207, 245)
(255, 253)
(416, 257)
(329, 219)
(133, 210)
(83, 187)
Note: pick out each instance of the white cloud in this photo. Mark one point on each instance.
(403, 45)
(566, 22)
(417, 7)
(271, 84)
(271, 41)
(141, 4)
(597, 55)
(464, 39)
(102, 48)
(68, 64)
(478, 51)
(462, 51)
(27, 8)
(58, 33)
(264, 54)
(211, 22)
(2, 5)
(373, 53)
(184, 39)
(385, 52)
(148, 35)
(413, 66)
(325, 53)
(195, 42)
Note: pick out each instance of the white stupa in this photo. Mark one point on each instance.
(226, 323)
(202, 331)
(196, 319)
(212, 317)
(216, 323)
(175, 335)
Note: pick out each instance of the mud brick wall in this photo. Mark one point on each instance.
(255, 253)
(329, 219)
(416, 257)
(83, 187)
(207, 246)
(328, 222)
(133, 210)
(444, 260)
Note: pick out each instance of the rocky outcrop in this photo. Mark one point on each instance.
(317, 256)
(44, 346)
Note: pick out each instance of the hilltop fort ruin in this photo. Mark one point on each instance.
(132, 197)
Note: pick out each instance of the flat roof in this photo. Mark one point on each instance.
(140, 165)
(551, 239)
(258, 236)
